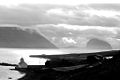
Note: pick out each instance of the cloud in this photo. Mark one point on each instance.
(57, 12)
(104, 13)
(25, 15)
(83, 15)
(104, 6)
(68, 40)
(58, 2)
(87, 15)
(61, 12)
(66, 35)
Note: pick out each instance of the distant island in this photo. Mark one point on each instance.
(16, 37)
(98, 44)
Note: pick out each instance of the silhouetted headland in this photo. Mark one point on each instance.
(7, 64)
(96, 66)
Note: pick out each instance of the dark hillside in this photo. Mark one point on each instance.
(15, 37)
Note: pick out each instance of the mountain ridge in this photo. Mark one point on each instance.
(16, 37)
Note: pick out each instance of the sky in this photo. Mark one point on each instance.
(66, 22)
(59, 2)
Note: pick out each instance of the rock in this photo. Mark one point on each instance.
(98, 44)
(22, 64)
(9, 78)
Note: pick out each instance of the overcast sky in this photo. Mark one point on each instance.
(65, 2)
(66, 22)
(60, 2)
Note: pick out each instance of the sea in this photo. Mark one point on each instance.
(12, 56)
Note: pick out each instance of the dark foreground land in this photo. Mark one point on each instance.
(107, 69)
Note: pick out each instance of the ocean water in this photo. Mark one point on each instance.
(13, 56)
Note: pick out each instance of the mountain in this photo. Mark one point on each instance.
(16, 37)
(98, 44)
